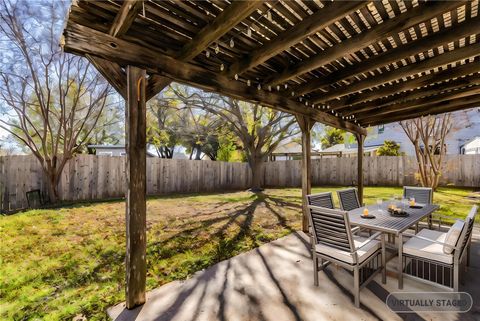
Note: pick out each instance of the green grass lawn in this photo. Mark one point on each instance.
(63, 263)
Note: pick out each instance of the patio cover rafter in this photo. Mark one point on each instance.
(84, 40)
(381, 31)
(333, 53)
(424, 44)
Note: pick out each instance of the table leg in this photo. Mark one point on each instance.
(400, 261)
(384, 260)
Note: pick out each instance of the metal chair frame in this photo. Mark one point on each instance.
(361, 270)
(460, 253)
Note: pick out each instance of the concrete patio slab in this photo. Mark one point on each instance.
(275, 282)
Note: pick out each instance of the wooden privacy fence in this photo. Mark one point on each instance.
(459, 170)
(89, 177)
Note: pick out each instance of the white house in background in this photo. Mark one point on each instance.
(466, 126)
(113, 150)
(472, 147)
(288, 151)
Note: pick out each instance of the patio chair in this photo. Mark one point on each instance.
(321, 200)
(422, 195)
(436, 257)
(325, 200)
(335, 242)
(348, 199)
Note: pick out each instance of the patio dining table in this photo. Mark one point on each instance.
(384, 222)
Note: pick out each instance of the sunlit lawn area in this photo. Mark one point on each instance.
(62, 263)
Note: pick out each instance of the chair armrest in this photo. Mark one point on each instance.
(355, 229)
(368, 240)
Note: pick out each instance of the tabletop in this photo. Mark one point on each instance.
(385, 222)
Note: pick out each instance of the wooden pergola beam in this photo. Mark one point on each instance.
(307, 27)
(360, 178)
(408, 105)
(83, 40)
(125, 17)
(415, 94)
(155, 84)
(408, 70)
(432, 109)
(112, 72)
(306, 125)
(222, 24)
(403, 86)
(388, 28)
(420, 45)
(136, 147)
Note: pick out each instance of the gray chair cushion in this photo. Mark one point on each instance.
(452, 237)
(426, 249)
(363, 253)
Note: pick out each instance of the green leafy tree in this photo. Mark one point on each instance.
(165, 124)
(389, 148)
(260, 130)
(228, 146)
(332, 136)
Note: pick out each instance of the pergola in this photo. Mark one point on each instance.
(347, 64)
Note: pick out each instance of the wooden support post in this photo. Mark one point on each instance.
(306, 125)
(135, 261)
(360, 141)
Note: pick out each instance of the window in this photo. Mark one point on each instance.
(381, 129)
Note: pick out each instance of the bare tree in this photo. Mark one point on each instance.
(53, 100)
(428, 136)
(260, 129)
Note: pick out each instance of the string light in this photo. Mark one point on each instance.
(259, 86)
(269, 88)
(248, 30)
(286, 86)
(248, 83)
(278, 88)
(293, 93)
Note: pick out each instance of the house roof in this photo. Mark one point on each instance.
(337, 148)
(347, 64)
(122, 147)
(290, 148)
(471, 141)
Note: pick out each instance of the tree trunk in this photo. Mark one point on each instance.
(198, 152)
(52, 186)
(256, 165)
